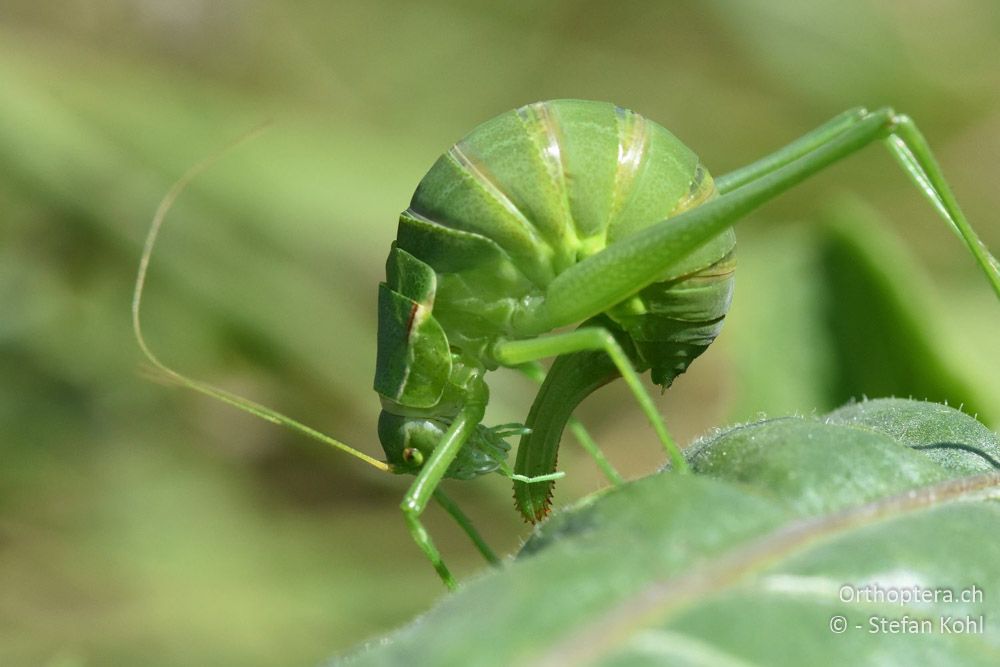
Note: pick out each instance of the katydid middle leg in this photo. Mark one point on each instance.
(516, 352)
(465, 524)
(533, 501)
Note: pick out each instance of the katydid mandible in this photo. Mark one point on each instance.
(562, 213)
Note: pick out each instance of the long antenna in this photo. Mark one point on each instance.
(236, 401)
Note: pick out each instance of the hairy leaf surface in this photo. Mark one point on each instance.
(787, 525)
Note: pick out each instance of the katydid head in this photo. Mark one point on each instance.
(409, 441)
(414, 422)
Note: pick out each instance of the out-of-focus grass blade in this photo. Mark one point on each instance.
(882, 317)
(826, 315)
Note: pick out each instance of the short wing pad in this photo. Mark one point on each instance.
(414, 361)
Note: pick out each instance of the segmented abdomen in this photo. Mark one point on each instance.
(535, 190)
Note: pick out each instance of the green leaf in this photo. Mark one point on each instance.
(788, 524)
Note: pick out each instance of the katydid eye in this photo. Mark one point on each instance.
(413, 456)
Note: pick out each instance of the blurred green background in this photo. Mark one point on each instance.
(142, 524)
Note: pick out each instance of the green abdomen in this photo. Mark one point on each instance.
(533, 191)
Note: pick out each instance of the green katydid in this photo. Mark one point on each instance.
(561, 213)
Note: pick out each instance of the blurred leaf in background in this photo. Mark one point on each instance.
(839, 311)
(140, 524)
